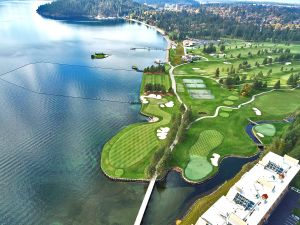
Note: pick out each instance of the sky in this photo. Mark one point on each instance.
(277, 1)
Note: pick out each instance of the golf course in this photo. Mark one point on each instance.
(129, 153)
(219, 110)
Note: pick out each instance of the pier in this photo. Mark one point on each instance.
(149, 49)
(146, 199)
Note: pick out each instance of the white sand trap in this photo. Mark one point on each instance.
(170, 104)
(162, 137)
(162, 106)
(288, 63)
(260, 135)
(227, 63)
(165, 129)
(257, 111)
(144, 100)
(153, 119)
(162, 133)
(215, 159)
(196, 68)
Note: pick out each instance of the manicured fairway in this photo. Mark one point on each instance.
(207, 141)
(279, 102)
(266, 129)
(162, 79)
(134, 145)
(197, 168)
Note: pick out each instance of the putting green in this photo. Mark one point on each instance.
(227, 110)
(197, 168)
(224, 114)
(228, 102)
(207, 141)
(233, 98)
(266, 129)
(119, 172)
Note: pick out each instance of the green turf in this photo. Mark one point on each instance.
(266, 129)
(236, 141)
(197, 168)
(132, 148)
(204, 106)
(227, 109)
(279, 102)
(224, 114)
(228, 103)
(119, 172)
(162, 79)
(233, 98)
(207, 141)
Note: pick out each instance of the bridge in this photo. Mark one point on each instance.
(146, 199)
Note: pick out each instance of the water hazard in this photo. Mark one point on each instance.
(58, 108)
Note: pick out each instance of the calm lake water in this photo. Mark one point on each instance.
(58, 108)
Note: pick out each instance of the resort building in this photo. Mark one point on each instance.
(251, 200)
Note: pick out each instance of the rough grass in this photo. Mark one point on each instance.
(207, 141)
(176, 54)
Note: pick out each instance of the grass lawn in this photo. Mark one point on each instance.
(132, 148)
(234, 48)
(207, 106)
(236, 140)
(162, 79)
(128, 154)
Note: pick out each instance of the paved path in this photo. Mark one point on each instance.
(174, 87)
(146, 199)
(228, 107)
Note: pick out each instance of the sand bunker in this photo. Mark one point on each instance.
(162, 133)
(153, 119)
(170, 104)
(215, 159)
(257, 111)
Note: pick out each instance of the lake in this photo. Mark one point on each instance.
(59, 107)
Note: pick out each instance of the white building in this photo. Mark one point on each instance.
(251, 200)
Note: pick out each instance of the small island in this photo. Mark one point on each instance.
(99, 56)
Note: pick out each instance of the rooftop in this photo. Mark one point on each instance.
(251, 198)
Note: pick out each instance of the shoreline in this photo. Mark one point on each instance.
(159, 30)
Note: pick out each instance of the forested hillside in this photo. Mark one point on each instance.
(89, 8)
(162, 2)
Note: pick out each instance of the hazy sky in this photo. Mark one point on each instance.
(278, 1)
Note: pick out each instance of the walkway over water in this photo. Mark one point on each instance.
(146, 199)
